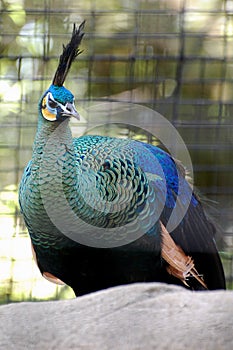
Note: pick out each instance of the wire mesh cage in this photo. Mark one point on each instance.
(172, 56)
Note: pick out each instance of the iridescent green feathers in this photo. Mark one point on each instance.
(114, 187)
(81, 195)
(70, 52)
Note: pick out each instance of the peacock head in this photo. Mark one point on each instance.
(57, 103)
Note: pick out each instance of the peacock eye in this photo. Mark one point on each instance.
(51, 103)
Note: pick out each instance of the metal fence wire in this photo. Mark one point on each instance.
(173, 56)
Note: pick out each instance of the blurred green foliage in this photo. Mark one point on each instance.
(174, 56)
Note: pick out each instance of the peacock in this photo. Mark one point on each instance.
(98, 209)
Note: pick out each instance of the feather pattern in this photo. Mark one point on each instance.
(97, 208)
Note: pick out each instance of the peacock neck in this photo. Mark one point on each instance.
(50, 185)
(46, 129)
(53, 141)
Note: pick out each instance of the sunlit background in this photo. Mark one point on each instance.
(174, 56)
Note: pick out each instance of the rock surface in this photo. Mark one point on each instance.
(140, 316)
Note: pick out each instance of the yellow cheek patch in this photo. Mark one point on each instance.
(46, 114)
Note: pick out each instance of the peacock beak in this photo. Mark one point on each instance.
(70, 111)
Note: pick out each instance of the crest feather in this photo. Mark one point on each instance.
(70, 52)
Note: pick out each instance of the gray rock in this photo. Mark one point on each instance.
(140, 316)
